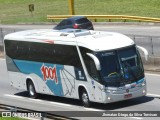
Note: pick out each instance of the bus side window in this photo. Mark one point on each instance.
(47, 53)
(68, 55)
(90, 65)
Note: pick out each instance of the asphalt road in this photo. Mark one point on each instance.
(132, 29)
(19, 98)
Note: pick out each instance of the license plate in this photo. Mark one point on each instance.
(127, 95)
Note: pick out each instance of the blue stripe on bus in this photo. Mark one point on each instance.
(29, 67)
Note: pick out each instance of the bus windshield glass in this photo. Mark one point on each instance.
(120, 67)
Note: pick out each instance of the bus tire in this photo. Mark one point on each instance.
(31, 90)
(85, 98)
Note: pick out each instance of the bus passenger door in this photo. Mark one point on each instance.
(93, 66)
(96, 88)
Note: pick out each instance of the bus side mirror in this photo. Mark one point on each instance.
(144, 51)
(96, 61)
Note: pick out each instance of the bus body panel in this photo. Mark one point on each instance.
(58, 80)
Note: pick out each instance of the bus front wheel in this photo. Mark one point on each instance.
(31, 90)
(85, 98)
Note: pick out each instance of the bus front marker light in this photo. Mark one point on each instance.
(109, 98)
(143, 84)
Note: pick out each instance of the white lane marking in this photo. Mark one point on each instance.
(49, 103)
(153, 95)
(14, 96)
(2, 59)
(36, 100)
(56, 103)
(152, 74)
(27, 118)
(138, 118)
(92, 109)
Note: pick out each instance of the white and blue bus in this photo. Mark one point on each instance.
(92, 66)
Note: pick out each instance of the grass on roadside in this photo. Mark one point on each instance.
(17, 11)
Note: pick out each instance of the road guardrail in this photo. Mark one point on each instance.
(107, 17)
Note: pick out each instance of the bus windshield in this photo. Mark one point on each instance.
(120, 67)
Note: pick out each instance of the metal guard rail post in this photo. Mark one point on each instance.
(109, 17)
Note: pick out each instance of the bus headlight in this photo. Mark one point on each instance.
(109, 98)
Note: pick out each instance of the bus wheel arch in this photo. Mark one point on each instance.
(84, 97)
(31, 88)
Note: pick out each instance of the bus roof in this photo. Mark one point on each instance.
(94, 40)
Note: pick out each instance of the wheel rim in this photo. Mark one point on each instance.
(85, 98)
(31, 90)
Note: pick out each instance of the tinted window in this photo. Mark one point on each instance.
(109, 63)
(68, 22)
(62, 23)
(43, 52)
(83, 20)
(90, 65)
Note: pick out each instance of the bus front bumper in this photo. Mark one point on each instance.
(124, 95)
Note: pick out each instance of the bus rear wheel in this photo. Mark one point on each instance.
(85, 98)
(31, 90)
